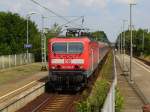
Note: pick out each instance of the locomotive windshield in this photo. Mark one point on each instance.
(75, 47)
(59, 47)
(68, 48)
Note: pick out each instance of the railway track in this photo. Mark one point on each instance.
(60, 101)
(53, 102)
(144, 61)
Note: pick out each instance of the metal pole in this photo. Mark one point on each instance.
(131, 46)
(124, 40)
(143, 43)
(42, 41)
(131, 43)
(27, 36)
(43, 47)
(119, 44)
(121, 40)
(28, 17)
(122, 46)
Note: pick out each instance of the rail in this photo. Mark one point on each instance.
(109, 105)
(144, 61)
(22, 99)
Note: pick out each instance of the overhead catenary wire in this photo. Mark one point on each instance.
(56, 14)
(72, 21)
(62, 17)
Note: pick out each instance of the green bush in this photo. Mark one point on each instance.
(99, 94)
(119, 100)
(83, 106)
(97, 98)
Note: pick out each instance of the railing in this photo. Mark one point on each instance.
(8, 61)
(109, 105)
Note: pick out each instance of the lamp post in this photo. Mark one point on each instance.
(124, 40)
(120, 42)
(131, 46)
(27, 51)
(143, 42)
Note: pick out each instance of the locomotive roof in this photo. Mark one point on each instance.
(75, 39)
(70, 39)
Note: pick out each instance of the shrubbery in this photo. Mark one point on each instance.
(137, 42)
(97, 98)
(118, 101)
(13, 34)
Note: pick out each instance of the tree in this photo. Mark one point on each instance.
(100, 36)
(13, 34)
(54, 31)
(137, 41)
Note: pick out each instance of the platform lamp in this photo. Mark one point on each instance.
(27, 44)
(131, 43)
(124, 42)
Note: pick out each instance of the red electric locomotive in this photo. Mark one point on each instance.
(72, 61)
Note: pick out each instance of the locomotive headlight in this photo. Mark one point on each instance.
(53, 67)
(81, 67)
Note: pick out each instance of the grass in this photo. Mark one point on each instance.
(100, 89)
(107, 70)
(95, 101)
(119, 100)
(20, 72)
(147, 58)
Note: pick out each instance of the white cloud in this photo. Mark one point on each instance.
(93, 3)
(125, 1)
(105, 12)
(23, 7)
(27, 5)
(56, 5)
(10, 6)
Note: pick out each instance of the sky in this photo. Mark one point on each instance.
(106, 15)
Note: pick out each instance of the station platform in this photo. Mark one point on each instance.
(132, 100)
(140, 75)
(19, 78)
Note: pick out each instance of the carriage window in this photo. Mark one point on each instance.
(75, 48)
(59, 47)
(67, 47)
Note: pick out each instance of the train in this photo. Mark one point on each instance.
(72, 61)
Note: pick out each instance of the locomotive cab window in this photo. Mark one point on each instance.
(59, 47)
(74, 47)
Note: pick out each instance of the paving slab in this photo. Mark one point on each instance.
(141, 76)
(132, 102)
